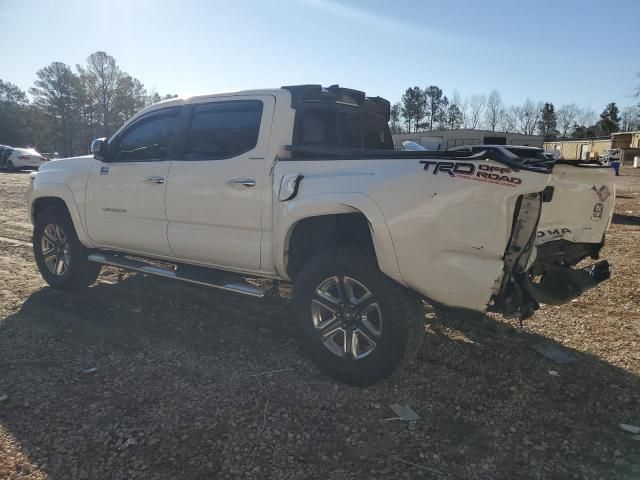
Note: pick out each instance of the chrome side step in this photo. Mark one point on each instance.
(185, 273)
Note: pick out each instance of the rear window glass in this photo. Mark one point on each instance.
(317, 127)
(375, 132)
(349, 130)
(223, 130)
(331, 127)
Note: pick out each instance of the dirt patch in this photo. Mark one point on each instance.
(144, 378)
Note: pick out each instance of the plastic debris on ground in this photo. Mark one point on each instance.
(128, 443)
(556, 354)
(403, 412)
(629, 428)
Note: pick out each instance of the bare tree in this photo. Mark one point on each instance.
(527, 116)
(464, 111)
(566, 116)
(494, 108)
(508, 119)
(455, 98)
(476, 107)
(586, 116)
(630, 118)
(102, 78)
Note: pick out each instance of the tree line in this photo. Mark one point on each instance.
(429, 108)
(70, 107)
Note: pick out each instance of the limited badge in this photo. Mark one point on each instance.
(104, 171)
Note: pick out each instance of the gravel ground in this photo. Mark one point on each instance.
(179, 389)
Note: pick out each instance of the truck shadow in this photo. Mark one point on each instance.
(160, 378)
(622, 219)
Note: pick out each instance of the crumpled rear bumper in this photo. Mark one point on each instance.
(552, 279)
(560, 284)
(546, 273)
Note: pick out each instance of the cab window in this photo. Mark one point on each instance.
(223, 130)
(149, 138)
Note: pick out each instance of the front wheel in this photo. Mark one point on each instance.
(358, 325)
(61, 258)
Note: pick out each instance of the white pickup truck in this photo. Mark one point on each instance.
(302, 184)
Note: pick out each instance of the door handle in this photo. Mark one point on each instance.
(241, 182)
(154, 179)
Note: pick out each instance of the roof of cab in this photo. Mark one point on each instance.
(188, 100)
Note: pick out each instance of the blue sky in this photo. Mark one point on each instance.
(560, 51)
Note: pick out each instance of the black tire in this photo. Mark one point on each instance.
(78, 272)
(9, 166)
(401, 318)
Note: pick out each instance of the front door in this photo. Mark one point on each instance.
(125, 203)
(220, 186)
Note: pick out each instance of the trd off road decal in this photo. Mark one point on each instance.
(480, 173)
(603, 193)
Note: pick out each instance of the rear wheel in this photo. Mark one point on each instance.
(10, 166)
(61, 258)
(358, 325)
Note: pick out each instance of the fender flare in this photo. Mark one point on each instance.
(331, 204)
(64, 193)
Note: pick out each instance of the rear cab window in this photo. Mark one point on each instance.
(341, 127)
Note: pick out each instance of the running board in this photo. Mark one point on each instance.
(185, 273)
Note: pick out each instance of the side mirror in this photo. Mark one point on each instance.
(99, 149)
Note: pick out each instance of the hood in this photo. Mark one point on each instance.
(65, 163)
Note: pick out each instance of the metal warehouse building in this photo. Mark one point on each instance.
(444, 139)
(593, 148)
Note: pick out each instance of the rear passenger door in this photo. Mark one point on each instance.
(220, 185)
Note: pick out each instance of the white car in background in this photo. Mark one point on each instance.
(610, 155)
(19, 158)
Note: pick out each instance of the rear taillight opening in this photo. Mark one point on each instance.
(23, 157)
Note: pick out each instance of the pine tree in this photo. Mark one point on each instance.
(609, 119)
(413, 107)
(548, 122)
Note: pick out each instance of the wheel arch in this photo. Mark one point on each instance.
(323, 221)
(58, 196)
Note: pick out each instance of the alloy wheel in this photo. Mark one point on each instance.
(55, 249)
(346, 317)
